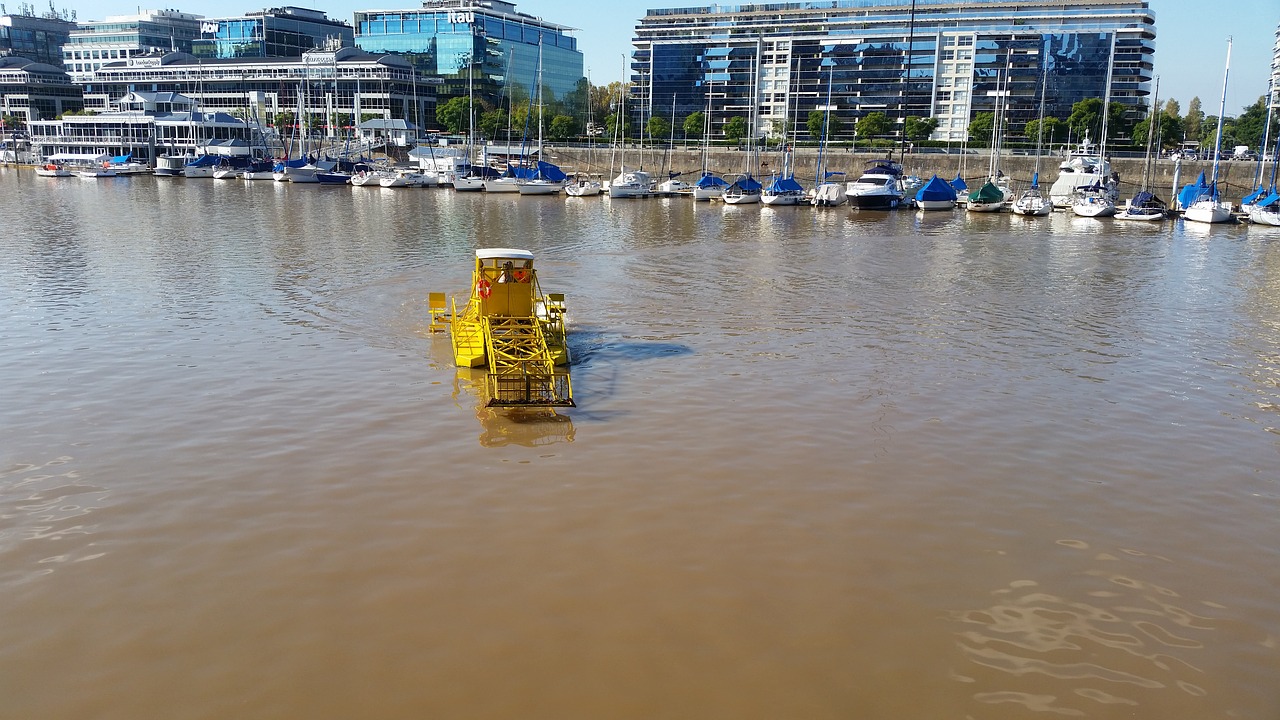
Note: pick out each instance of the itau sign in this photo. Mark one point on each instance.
(462, 17)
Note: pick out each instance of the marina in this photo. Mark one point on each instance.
(823, 463)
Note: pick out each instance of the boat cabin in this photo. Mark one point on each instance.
(504, 282)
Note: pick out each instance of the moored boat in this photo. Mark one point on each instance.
(878, 188)
(52, 170)
(937, 194)
(986, 199)
(743, 191)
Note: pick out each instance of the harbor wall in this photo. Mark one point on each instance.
(1235, 178)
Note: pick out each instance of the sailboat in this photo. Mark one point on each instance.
(1033, 203)
(1099, 198)
(710, 186)
(1266, 211)
(995, 192)
(825, 192)
(471, 180)
(746, 189)
(1208, 207)
(1145, 205)
(937, 194)
(628, 183)
(584, 186)
(784, 189)
(547, 178)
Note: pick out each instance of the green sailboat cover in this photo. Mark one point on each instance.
(988, 193)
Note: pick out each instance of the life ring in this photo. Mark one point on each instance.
(523, 275)
(483, 288)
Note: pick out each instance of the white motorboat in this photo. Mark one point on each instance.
(1082, 168)
(878, 188)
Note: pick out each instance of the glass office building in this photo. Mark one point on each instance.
(501, 46)
(98, 42)
(774, 63)
(35, 38)
(278, 32)
(36, 91)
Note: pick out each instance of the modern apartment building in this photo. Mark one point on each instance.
(488, 38)
(773, 63)
(278, 32)
(98, 42)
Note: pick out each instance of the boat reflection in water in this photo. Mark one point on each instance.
(532, 427)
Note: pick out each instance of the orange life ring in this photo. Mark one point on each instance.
(483, 288)
(523, 275)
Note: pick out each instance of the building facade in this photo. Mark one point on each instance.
(35, 91)
(499, 46)
(773, 64)
(278, 32)
(35, 38)
(98, 42)
(325, 92)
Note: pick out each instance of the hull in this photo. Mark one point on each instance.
(501, 185)
(875, 201)
(787, 199)
(984, 207)
(538, 187)
(224, 174)
(198, 172)
(936, 204)
(53, 172)
(301, 174)
(1147, 216)
(1063, 190)
(257, 175)
(741, 199)
(1207, 211)
(584, 189)
(1032, 205)
(468, 184)
(713, 193)
(1093, 207)
(1265, 216)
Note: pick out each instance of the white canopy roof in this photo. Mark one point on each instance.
(489, 253)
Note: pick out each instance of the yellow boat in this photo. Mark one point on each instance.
(509, 325)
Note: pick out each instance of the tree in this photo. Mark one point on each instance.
(13, 122)
(562, 128)
(1086, 118)
(1054, 130)
(658, 127)
(873, 124)
(611, 125)
(917, 129)
(1193, 121)
(453, 115)
(1172, 109)
(492, 122)
(982, 126)
(695, 124)
(1249, 128)
(735, 129)
(283, 120)
(816, 123)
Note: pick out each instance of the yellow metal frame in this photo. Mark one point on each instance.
(516, 331)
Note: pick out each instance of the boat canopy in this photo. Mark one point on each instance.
(1254, 196)
(883, 167)
(504, 253)
(746, 183)
(1145, 199)
(1189, 193)
(204, 161)
(936, 190)
(959, 184)
(1269, 200)
(711, 181)
(988, 193)
(121, 159)
(94, 158)
(785, 184)
(547, 171)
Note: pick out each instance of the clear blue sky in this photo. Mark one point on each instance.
(1191, 39)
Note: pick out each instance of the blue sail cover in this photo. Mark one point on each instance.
(122, 159)
(1270, 200)
(749, 184)
(1189, 193)
(295, 163)
(936, 190)
(959, 184)
(547, 171)
(785, 184)
(1253, 197)
(204, 161)
(711, 181)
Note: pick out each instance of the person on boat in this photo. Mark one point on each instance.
(525, 273)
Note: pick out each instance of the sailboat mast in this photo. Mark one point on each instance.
(1222, 106)
(1266, 136)
(1152, 121)
(1106, 103)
